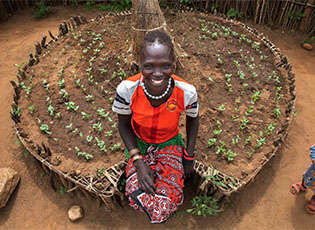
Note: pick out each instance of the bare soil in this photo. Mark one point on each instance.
(266, 203)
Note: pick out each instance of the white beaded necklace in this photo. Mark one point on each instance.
(157, 97)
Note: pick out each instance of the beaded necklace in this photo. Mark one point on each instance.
(160, 96)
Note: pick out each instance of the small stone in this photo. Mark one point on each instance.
(77, 172)
(307, 46)
(9, 178)
(75, 213)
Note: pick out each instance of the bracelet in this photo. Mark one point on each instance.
(134, 158)
(133, 151)
(187, 157)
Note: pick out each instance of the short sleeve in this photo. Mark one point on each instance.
(122, 101)
(191, 105)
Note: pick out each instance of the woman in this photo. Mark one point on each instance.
(148, 106)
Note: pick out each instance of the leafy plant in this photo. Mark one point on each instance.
(97, 126)
(87, 156)
(16, 111)
(71, 105)
(62, 190)
(204, 205)
(85, 115)
(41, 10)
(221, 108)
(31, 109)
(115, 147)
(244, 122)
(295, 113)
(233, 13)
(45, 129)
(211, 142)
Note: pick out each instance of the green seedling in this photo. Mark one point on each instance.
(249, 111)
(295, 113)
(230, 155)
(64, 94)
(211, 142)
(241, 74)
(102, 71)
(101, 144)
(71, 105)
(16, 112)
(277, 112)
(236, 140)
(45, 129)
(244, 123)
(89, 98)
(248, 140)
(31, 109)
(51, 110)
(97, 126)
(85, 115)
(61, 83)
(115, 147)
(221, 108)
(260, 142)
(214, 35)
(69, 126)
(256, 96)
(89, 138)
(46, 84)
(102, 113)
(270, 129)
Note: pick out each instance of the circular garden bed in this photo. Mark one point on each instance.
(63, 98)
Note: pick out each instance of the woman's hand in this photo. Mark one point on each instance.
(145, 177)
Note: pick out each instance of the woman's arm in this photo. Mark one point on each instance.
(192, 125)
(144, 172)
(126, 132)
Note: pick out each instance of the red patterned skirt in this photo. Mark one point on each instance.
(167, 168)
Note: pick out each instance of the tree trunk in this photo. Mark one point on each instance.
(3, 12)
(147, 16)
(304, 24)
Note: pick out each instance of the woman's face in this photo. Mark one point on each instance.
(156, 67)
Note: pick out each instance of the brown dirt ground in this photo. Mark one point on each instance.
(266, 203)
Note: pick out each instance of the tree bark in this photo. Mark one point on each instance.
(147, 16)
(3, 12)
(304, 21)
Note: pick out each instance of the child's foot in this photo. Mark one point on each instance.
(310, 207)
(297, 188)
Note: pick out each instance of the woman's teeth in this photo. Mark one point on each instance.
(157, 81)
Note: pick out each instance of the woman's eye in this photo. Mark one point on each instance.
(147, 66)
(167, 66)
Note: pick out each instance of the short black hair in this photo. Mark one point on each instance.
(157, 36)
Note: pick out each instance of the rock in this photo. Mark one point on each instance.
(307, 46)
(9, 178)
(75, 213)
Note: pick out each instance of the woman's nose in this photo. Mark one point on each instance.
(157, 72)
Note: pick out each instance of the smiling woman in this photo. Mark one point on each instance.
(149, 106)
